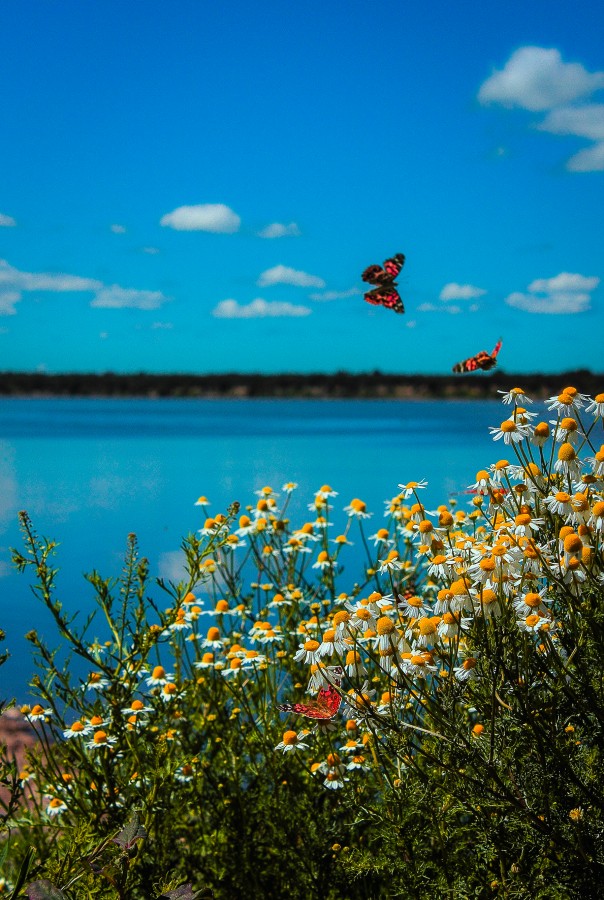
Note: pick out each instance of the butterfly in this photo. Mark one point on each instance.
(385, 294)
(482, 360)
(327, 702)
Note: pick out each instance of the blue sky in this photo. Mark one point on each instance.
(198, 187)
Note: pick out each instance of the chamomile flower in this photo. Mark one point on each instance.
(419, 665)
(289, 486)
(101, 741)
(567, 429)
(354, 667)
(511, 432)
(323, 561)
(96, 682)
(326, 491)
(532, 603)
(137, 708)
(466, 670)
(381, 537)
(392, 562)
(407, 490)
(212, 640)
(159, 677)
(567, 462)
(202, 501)
(75, 730)
(357, 509)
(292, 742)
(55, 807)
(596, 520)
(307, 652)
(540, 434)
(596, 406)
(206, 662)
(36, 713)
(516, 395)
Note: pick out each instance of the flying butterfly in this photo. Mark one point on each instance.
(385, 294)
(482, 360)
(327, 702)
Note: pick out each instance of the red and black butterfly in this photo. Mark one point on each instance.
(482, 360)
(385, 294)
(326, 703)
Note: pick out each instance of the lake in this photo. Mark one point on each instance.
(89, 471)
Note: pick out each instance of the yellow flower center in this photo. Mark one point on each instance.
(598, 508)
(508, 426)
(385, 625)
(532, 600)
(427, 625)
(569, 424)
(100, 737)
(290, 738)
(573, 543)
(213, 634)
(567, 453)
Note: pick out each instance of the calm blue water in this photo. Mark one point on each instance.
(89, 471)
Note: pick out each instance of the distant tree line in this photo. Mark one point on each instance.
(341, 384)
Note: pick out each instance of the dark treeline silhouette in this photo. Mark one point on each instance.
(316, 385)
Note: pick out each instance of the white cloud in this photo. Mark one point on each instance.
(566, 294)
(565, 281)
(152, 251)
(284, 275)
(589, 160)
(214, 217)
(583, 121)
(454, 291)
(536, 78)
(8, 299)
(41, 281)
(335, 295)
(277, 230)
(116, 297)
(162, 326)
(118, 229)
(258, 309)
(556, 304)
(6, 221)
(432, 307)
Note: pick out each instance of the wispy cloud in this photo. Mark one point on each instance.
(454, 291)
(118, 229)
(116, 297)
(162, 326)
(258, 309)
(151, 251)
(433, 307)
(284, 275)
(8, 301)
(14, 282)
(586, 121)
(537, 79)
(42, 281)
(335, 295)
(214, 217)
(278, 230)
(565, 294)
(6, 221)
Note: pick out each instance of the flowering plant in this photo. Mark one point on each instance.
(467, 743)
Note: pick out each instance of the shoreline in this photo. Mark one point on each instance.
(316, 386)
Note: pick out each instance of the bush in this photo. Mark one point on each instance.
(452, 742)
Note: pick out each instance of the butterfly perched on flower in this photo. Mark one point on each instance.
(327, 702)
(385, 294)
(482, 360)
